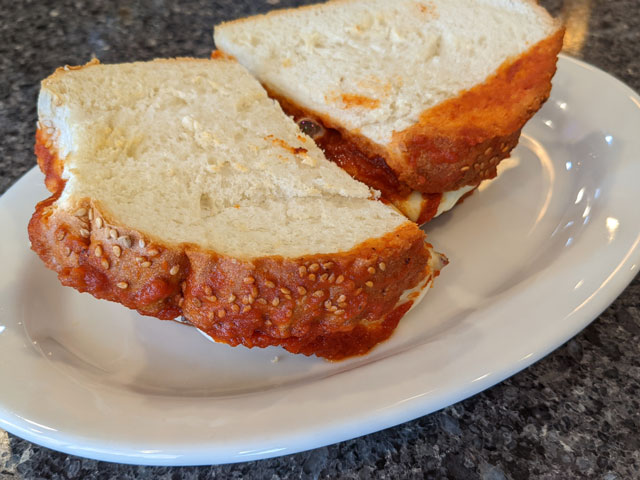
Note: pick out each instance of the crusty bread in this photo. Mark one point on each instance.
(437, 89)
(179, 187)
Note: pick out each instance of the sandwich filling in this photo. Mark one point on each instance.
(374, 171)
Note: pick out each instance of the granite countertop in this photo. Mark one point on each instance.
(574, 414)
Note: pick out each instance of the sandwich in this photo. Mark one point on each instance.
(179, 188)
(419, 99)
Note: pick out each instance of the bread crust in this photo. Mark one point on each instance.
(331, 305)
(48, 161)
(94, 62)
(461, 141)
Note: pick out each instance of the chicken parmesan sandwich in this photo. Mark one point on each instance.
(179, 188)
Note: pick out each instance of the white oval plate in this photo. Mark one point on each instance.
(535, 256)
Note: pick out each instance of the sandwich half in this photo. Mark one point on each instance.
(420, 99)
(180, 188)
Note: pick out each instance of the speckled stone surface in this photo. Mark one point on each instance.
(572, 415)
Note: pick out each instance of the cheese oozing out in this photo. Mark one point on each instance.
(412, 205)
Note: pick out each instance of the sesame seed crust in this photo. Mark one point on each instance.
(479, 125)
(309, 316)
(258, 302)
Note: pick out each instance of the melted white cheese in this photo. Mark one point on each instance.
(411, 206)
(449, 199)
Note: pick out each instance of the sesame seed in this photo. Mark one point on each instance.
(210, 315)
(286, 291)
(208, 290)
(341, 298)
(312, 277)
(314, 267)
(221, 313)
(333, 308)
(495, 160)
(254, 292)
(270, 284)
(60, 235)
(232, 298)
(197, 302)
(483, 165)
(142, 243)
(211, 298)
(99, 222)
(327, 304)
(369, 283)
(247, 308)
(302, 270)
(339, 280)
(183, 286)
(105, 263)
(318, 293)
(152, 252)
(90, 214)
(332, 277)
(81, 212)
(288, 297)
(505, 148)
(358, 291)
(247, 299)
(235, 308)
(488, 151)
(327, 265)
(275, 302)
(84, 232)
(125, 241)
(338, 312)
(113, 233)
(98, 251)
(261, 301)
(476, 166)
(175, 269)
(249, 280)
(117, 251)
(371, 270)
(324, 277)
(67, 251)
(382, 266)
(302, 290)
(342, 304)
(146, 264)
(122, 285)
(464, 169)
(268, 323)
